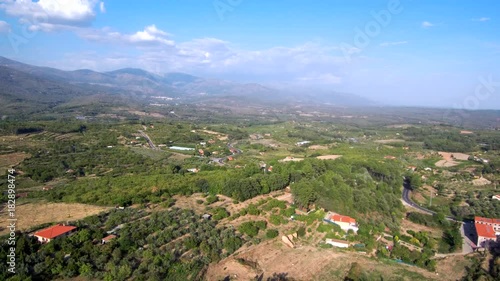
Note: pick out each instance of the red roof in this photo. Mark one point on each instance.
(54, 231)
(109, 237)
(484, 230)
(340, 218)
(486, 220)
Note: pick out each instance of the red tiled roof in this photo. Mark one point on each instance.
(54, 231)
(109, 237)
(340, 218)
(485, 231)
(486, 220)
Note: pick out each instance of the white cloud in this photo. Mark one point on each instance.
(150, 36)
(4, 27)
(49, 15)
(102, 8)
(426, 24)
(481, 19)
(387, 44)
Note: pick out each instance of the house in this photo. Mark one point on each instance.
(346, 223)
(495, 223)
(108, 239)
(202, 153)
(48, 234)
(487, 230)
(485, 234)
(206, 216)
(301, 143)
(496, 197)
(390, 157)
(193, 170)
(337, 243)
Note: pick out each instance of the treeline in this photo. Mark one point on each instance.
(171, 245)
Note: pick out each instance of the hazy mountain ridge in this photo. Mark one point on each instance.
(137, 83)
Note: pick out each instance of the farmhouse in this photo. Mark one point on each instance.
(487, 230)
(108, 239)
(495, 223)
(337, 243)
(48, 234)
(346, 223)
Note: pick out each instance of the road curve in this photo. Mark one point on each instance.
(407, 200)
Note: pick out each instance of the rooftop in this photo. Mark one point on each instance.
(109, 237)
(341, 218)
(486, 220)
(54, 231)
(485, 231)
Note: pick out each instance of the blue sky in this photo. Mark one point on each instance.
(426, 53)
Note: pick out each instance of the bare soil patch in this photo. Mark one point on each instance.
(318, 147)
(10, 160)
(446, 163)
(409, 225)
(454, 156)
(179, 156)
(33, 214)
(452, 266)
(290, 158)
(329, 157)
(480, 182)
(302, 263)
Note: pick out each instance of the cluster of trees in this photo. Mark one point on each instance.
(171, 245)
(349, 187)
(478, 204)
(451, 239)
(476, 272)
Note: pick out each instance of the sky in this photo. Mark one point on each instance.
(437, 53)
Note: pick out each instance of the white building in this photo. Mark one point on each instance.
(337, 243)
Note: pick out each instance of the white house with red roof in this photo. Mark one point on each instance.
(496, 197)
(48, 234)
(346, 223)
(487, 230)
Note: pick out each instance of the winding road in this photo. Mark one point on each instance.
(467, 244)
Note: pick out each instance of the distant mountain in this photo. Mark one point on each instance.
(50, 86)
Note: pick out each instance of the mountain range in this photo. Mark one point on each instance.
(26, 87)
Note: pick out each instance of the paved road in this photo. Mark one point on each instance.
(150, 142)
(407, 200)
(465, 229)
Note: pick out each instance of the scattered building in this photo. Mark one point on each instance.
(181, 148)
(48, 234)
(495, 223)
(390, 157)
(496, 197)
(412, 168)
(487, 230)
(206, 216)
(337, 243)
(301, 143)
(108, 239)
(346, 223)
(193, 170)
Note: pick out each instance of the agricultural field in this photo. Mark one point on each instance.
(264, 180)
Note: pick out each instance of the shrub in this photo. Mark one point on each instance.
(271, 233)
